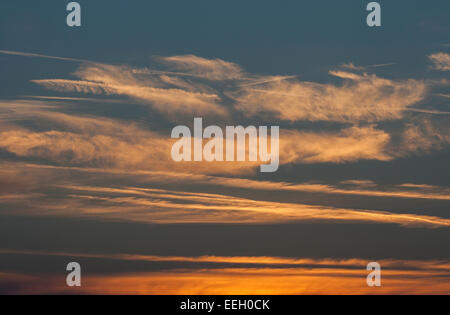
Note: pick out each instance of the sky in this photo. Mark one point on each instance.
(86, 115)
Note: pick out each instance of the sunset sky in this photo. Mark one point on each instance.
(86, 172)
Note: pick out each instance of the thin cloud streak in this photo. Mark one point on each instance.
(354, 263)
(164, 206)
(24, 54)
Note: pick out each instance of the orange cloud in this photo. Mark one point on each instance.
(359, 98)
(172, 102)
(109, 143)
(349, 145)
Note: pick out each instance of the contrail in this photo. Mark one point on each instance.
(275, 79)
(427, 111)
(381, 65)
(24, 54)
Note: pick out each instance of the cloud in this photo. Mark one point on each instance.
(349, 145)
(104, 143)
(360, 98)
(441, 61)
(422, 138)
(109, 144)
(88, 141)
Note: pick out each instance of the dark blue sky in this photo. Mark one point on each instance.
(281, 37)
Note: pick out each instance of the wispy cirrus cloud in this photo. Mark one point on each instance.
(167, 97)
(359, 98)
(73, 140)
(348, 145)
(422, 138)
